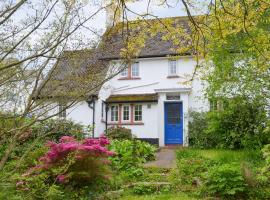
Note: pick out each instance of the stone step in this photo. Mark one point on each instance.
(146, 184)
(151, 169)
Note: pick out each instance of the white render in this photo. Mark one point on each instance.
(153, 79)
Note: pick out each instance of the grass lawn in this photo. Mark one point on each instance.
(251, 157)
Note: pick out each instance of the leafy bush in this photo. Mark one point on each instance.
(54, 129)
(119, 133)
(73, 161)
(224, 180)
(131, 153)
(242, 124)
(190, 169)
(264, 176)
(196, 126)
(142, 189)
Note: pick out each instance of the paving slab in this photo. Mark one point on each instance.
(165, 158)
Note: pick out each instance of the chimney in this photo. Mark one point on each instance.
(113, 12)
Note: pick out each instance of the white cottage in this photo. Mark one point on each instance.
(149, 95)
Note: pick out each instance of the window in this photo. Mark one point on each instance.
(173, 97)
(135, 69)
(124, 73)
(172, 67)
(126, 114)
(62, 111)
(114, 113)
(138, 113)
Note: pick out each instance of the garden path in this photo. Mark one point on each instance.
(165, 158)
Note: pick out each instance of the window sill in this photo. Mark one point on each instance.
(129, 78)
(125, 123)
(173, 76)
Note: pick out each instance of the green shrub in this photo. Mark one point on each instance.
(142, 189)
(224, 180)
(196, 127)
(241, 124)
(119, 133)
(131, 153)
(264, 175)
(190, 169)
(54, 129)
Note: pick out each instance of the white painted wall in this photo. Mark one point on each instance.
(153, 79)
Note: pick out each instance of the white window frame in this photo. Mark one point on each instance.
(123, 113)
(134, 114)
(124, 72)
(135, 72)
(114, 113)
(172, 67)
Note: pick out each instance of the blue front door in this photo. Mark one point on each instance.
(173, 123)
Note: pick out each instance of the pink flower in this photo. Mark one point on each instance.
(67, 139)
(61, 178)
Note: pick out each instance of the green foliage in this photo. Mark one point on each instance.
(264, 175)
(119, 133)
(224, 180)
(196, 127)
(131, 153)
(220, 173)
(54, 129)
(142, 189)
(190, 169)
(241, 124)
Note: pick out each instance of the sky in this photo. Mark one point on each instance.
(174, 8)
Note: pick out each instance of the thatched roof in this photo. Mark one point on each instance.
(77, 74)
(156, 45)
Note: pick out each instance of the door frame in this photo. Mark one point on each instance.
(182, 120)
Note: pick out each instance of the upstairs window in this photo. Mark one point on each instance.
(172, 67)
(135, 69)
(62, 111)
(124, 73)
(126, 114)
(114, 113)
(138, 113)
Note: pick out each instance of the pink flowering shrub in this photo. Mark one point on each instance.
(76, 162)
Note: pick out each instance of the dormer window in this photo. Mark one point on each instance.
(172, 67)
(135, 69)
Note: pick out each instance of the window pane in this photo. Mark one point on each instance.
(126, 113)
(114, 113)
(172, 67)
(124, 73)
(135, 69)
(138, 113)
(62, 111)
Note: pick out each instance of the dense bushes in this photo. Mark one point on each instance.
(225, 180)
(119, 133)
(241, 124)
(131, 153)
(221, 173)
(66, 168)
(54, 129)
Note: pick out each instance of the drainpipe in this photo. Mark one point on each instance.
(92, 105)
(106, 117)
